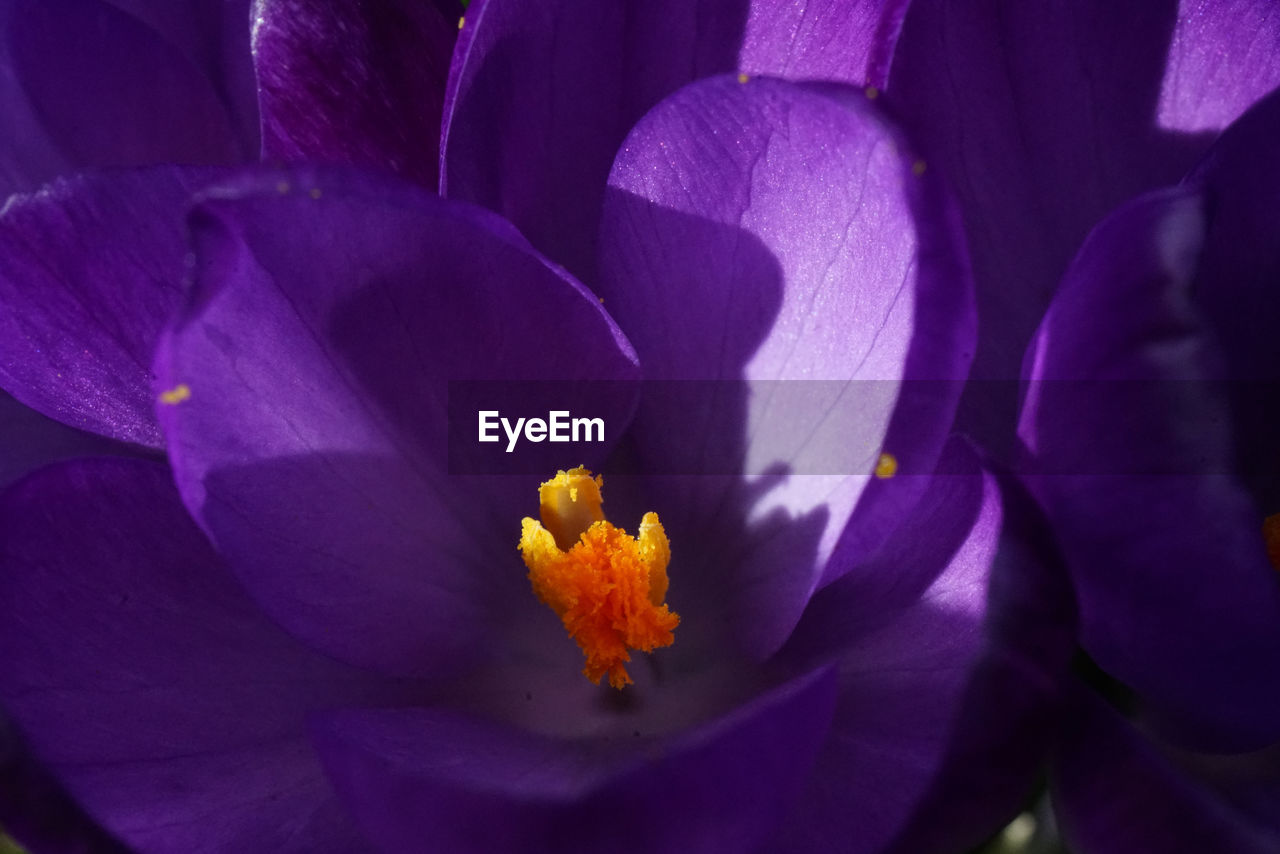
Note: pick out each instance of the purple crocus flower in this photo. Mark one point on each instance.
(321, 640)
(1151, 420)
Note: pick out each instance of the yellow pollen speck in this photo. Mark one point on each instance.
(743, 77)
(176, 395)
(282, 187)
(1271, 534)
(462, 21)
(886, 466)
(872, 92)
(315, 193)
(917, 168)
(605, 586)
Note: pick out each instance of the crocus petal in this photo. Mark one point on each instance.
(1177, 598)
(427, 780)
(908, 632)
(214, 36)
(1114, 792)
(146, 679)
(353, 83)
(304, 396)
(110, 91)
(775, 242)
(1236, 283)
(91, 269)
(28, 441)
(1223, 56)
(1044, 117)
(36, 810)
(541, 94)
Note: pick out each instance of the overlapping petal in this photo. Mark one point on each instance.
(304, 395)
(426, 780)
(586, 72)
(91, 269)
(1131, 430)
(1044, 116)
(176, 717)
(90, 85)
(1115, 790)
(353, 83)
(771, 248)
(932, 671)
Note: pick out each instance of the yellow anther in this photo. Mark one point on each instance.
(175, 395)
(918, 167)
(871, 92)
(462, 21)
(886, 466)
(743, 77)
(605, 586)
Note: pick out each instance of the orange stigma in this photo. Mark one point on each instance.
(606, 586)
(1271, 534)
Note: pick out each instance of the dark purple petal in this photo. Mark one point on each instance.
(908, 632)
(308, 386)
(28, 441)
(146, 679)
(1115, 793)
(775, 241)
(214, 36)
(353, 83)
(36, 810)
(91, 269)
(1012, 702)
(1236, 287)
(541, 94)
(1131, 433)
(109, 91)
(1044, 116)
(431, 780)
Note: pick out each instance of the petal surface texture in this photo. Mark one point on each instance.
(92, 268)
(798, 295)
(541, 94)
(353, 83)
(309, 387)
(177, 715)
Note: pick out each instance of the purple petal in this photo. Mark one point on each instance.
(1114, 793)
(541, 94)
(1223, 56)
(431, 780)
(1043, 116)
(354, 84)
(773, 241)
(110, 91)
(145, 678)
(851, 41)
(28, 441)
(908, 630)
(214, 36)
(36, 810)
(308, 389)
(1177, 598)
(1235, 286)
(91, 269)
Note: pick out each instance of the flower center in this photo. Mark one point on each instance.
(605, 586)
(1271, 533)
